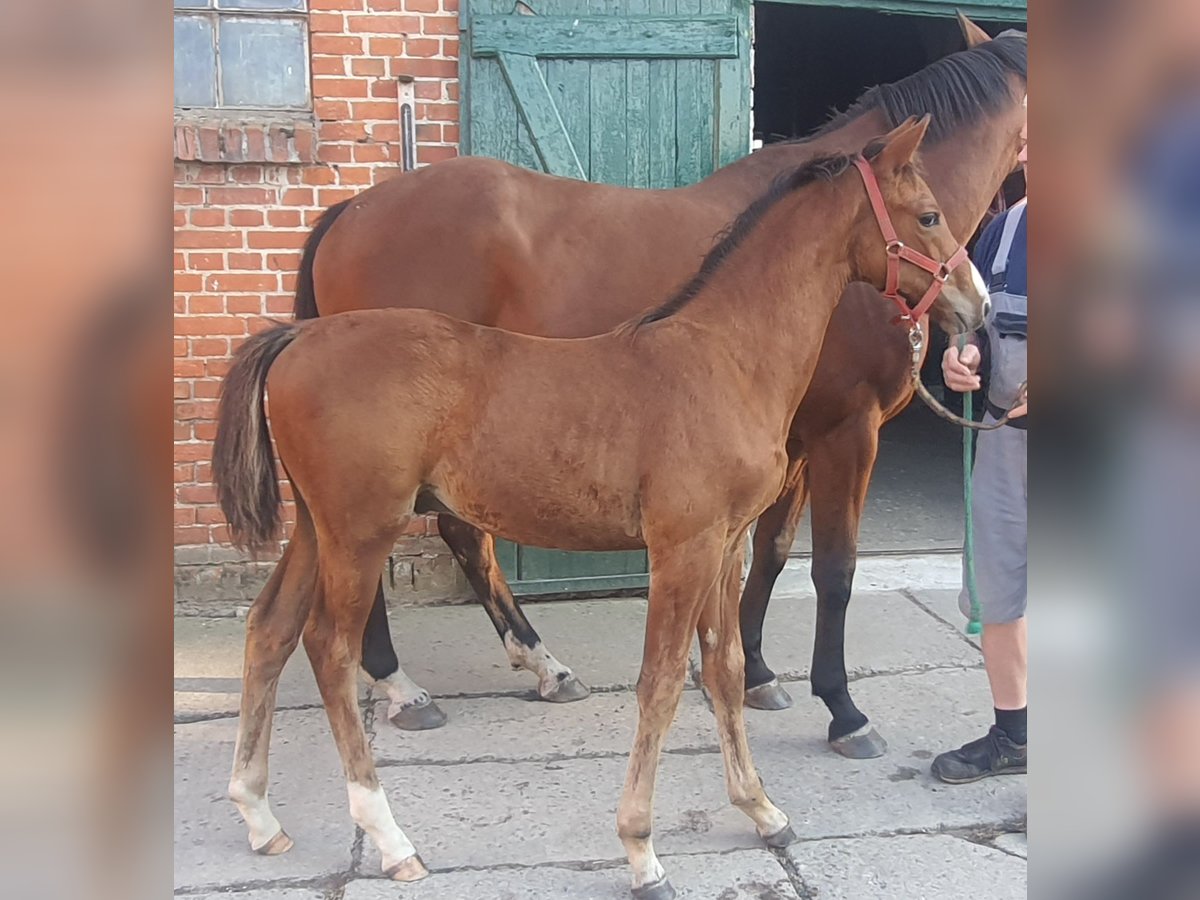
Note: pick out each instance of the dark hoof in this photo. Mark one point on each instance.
(660, 890)
(419, 717)
(411, 869)
(784, 837)
(281, 843)
(768, 696)
(567, 691)
(861, 745)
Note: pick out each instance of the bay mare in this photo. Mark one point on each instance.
(676, 442)
(562, 258)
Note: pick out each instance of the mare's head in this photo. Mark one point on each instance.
(892, 262)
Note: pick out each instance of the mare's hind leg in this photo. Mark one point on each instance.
(332, 639)
(839, 472)
(409, 705)
(773, 538)
(273, 628)
(682, 577)
(475, 551)
(723, 668)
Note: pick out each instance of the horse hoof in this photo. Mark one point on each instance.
(567, 691)
(865, 743)
(660, 890)
(411, 869)
(418, 717)
(782, 838)
(768, 696)
(281, 843)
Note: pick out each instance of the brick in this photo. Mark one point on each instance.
(210, 515)
(421, 6)
(204, 217)
(283, 218)
(354, 175)
(244, 261)
(336, 45)
(205, 305)
(329, 196)
(187, 368)
(439, 25)
(184, 516)
(427, 68)
(240, 196)
(427, 90)
(196, 494)
(256, 143)
(384, 5)
(207, 239)
(326, 23)
(335, 4)
(375, 109)
(331, 110)
(343, 131)
(429, 132)
(430, 155)
(339, 87)
(422, 47)
(245, 304)
(245, 218)
(450, 133)
(320, 176)
(297, 197)
(450, 5)
(179, 218)
(241, 283)
(385, 132)
(287, 281)
(279, 306)
(210, 347)
(368, 66)
(191, 534)
(246, 174)
(450, 47)
(205, 431)
(206, 390)
(438, 112)
(185, 281)
(184, 472)
(383, 24)
(189, 196)
(367, 153)
(330, 65)
(385, 88)
(284, 262)
(336, 153)
(196, 409)
(209, 325)
(181, 391)
(182, 431)
(277, 240)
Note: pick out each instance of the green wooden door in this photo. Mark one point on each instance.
(643, 93)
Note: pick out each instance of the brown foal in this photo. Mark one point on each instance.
(667, 433)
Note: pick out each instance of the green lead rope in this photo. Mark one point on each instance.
(975, 625)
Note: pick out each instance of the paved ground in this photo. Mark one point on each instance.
(516, 798)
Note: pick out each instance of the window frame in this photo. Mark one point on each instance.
(213, 12)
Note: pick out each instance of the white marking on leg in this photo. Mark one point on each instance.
(710, 638)
(370, 810)
(644, 862)
(256, 811)
(538, 660)
(401, 690)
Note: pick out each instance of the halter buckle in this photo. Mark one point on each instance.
(894, 248)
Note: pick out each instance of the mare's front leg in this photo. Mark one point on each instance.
(681, 578)
(475, 551)
(773, 538)
(410, 707)
(839, 471)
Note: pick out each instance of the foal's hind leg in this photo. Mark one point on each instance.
(475, 551)
(723, 664)
(681, 578)
(840, 467)
(273, 629)
(410, 707)
(332, 639)
(773, 538)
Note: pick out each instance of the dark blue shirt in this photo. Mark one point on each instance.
(989, 243)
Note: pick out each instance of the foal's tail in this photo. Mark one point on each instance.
(243, 462)
(306, 296)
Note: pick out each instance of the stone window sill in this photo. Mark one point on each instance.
(217, 138)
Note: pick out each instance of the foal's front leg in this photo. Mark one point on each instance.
(723, 668)
(475, 551)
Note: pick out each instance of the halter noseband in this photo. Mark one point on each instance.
(897, 251)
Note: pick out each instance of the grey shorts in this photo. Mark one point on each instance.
(1001, 488)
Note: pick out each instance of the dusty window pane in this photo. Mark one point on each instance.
(195, 62)
(263, 63)
(261, 4)
(192, 4)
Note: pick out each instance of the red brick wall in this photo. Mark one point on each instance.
(246, 193)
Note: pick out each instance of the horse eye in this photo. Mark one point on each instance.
(929, 220)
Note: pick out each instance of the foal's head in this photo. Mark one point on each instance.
(919, 226)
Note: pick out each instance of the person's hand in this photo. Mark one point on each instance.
(959, 368)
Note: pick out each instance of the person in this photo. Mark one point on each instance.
(1000, 489)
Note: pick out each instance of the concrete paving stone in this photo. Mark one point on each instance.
(487, 814)
(208, 669)
(283, 893)
(485, 729)
(1016, 843)
(944, 604)
(885, 632)
(919, 715)
(911, 867)
(746, 875)
(308, 794)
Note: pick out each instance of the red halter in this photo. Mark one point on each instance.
(897, 251)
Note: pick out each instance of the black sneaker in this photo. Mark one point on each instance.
(992, 754)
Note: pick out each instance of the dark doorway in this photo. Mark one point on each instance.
(809, 62)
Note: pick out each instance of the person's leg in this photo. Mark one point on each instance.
(999, 509)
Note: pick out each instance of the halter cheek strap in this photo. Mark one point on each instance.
(897, 251)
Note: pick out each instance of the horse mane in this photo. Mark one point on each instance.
(959, 89)
(824, 168)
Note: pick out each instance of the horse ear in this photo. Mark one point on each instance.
(898, 147)
(973, 33)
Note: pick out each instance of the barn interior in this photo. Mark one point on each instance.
(802, 75)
